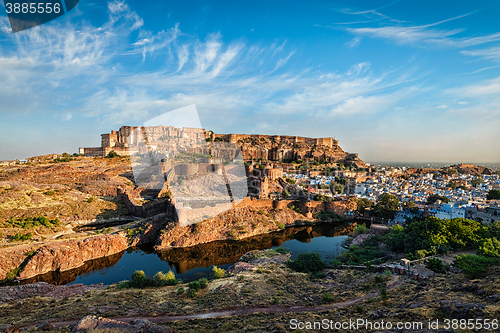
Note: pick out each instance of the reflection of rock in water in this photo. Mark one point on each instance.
(227, 252)
(203, 255)
(69, 276)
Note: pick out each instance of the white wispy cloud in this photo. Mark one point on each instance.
(488, 53)
(426, 34)
(480, 89)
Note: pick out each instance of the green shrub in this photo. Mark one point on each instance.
(475, 266)
(31, 222)
(282, 250)
(319, 275)
(50, 192)
(218, 272)
(327, 298)
(307, 263)
(203, 283)
(421, 254)
(383, 294)
(280, 225)
(435, 265)
(328, 216)
(191, 293)
(490, 248)
(180, 291)
(89, 200)
(112, 154)
(168, 279)
(335, 263)
(19, 237)
(138, 279)
(359, 309)
(359, 255)
(11, 275)
(125, 284)
(275, 300)
(194, 285)
(361, 229)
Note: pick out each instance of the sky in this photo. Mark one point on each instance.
(401, 81)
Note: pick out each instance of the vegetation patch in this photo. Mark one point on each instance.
(475, 266)
(307, 263)
(218, 273)
(31, 222)
(20, 237)
(435, 235)
(370, 251)
(329, 216)
(140, 280)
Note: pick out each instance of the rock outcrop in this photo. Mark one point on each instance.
(10, 259)
(69, 255)
(234, 224)
(91, 323)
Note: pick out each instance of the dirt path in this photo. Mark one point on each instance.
(240, 311)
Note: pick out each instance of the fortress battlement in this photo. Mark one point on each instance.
(280, 148)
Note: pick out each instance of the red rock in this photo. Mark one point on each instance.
(69, 255)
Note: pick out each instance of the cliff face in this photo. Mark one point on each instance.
(69, 255)
(10, 259)
(234, 224)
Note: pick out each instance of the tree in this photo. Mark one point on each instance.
(435, 197)
(476, 181)
(493, 195)
(307, 263)
(490, 248)
(452, 184)
(387, 206)
(435, 235)
(362, 204)
(411, 206)
(339, 189)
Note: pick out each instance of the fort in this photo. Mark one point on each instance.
(129, 140)
(184, 158)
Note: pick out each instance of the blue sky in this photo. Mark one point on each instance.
(392, 80)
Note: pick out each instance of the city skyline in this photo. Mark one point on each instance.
(391, 80)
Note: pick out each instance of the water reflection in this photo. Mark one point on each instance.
(196, 261)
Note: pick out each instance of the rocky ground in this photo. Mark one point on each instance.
(74, 192)
(265, 295)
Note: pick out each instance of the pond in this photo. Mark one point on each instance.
(197, 261)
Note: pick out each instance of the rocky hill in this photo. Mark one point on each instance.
(292, 148)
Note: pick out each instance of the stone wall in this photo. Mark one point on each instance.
(234, 138)
(158, 206)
